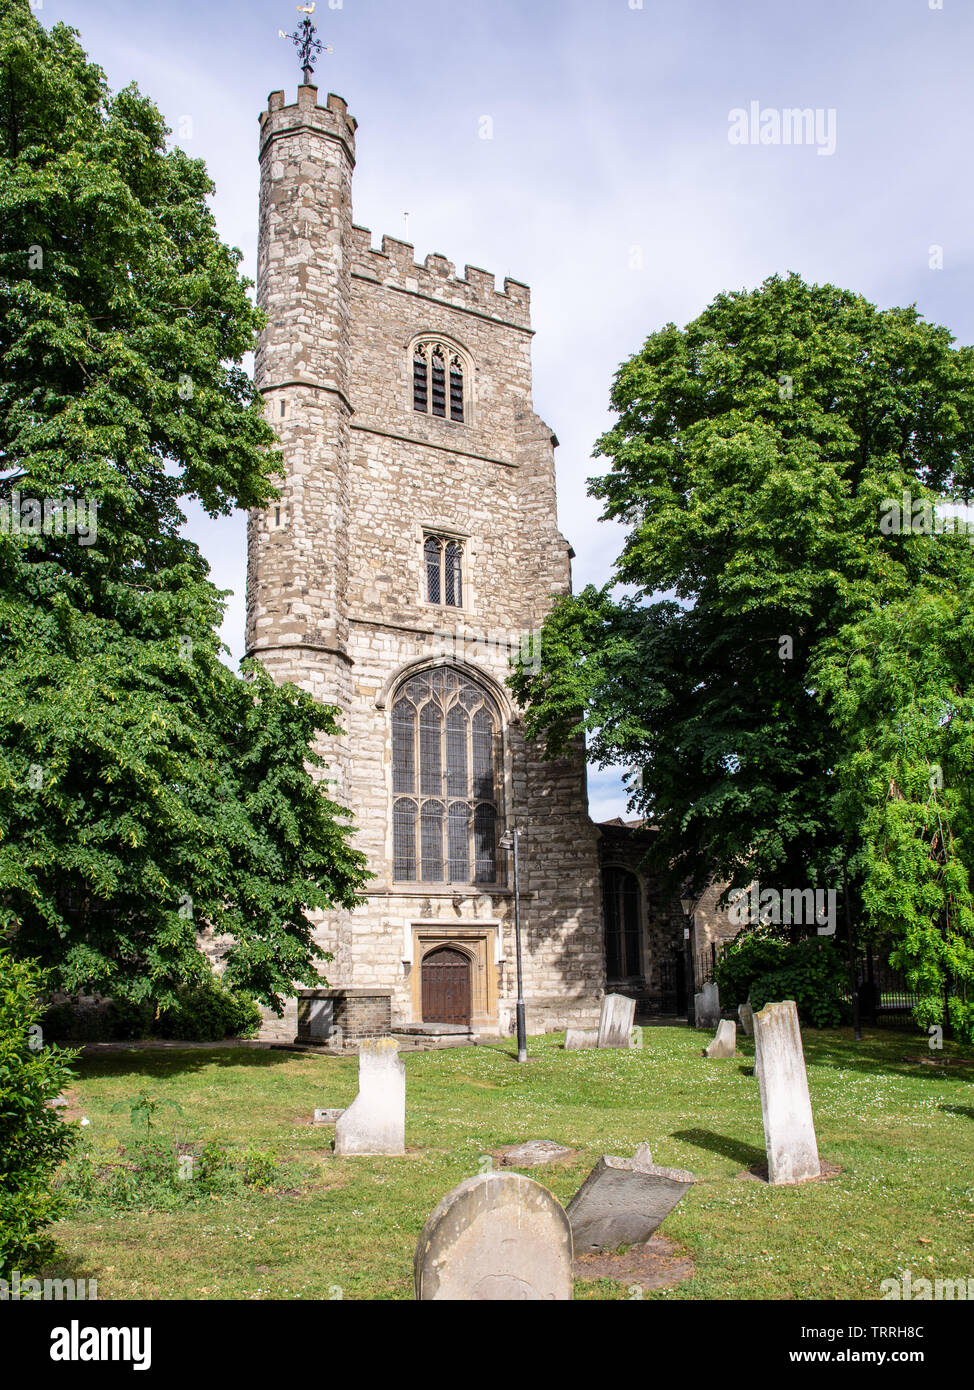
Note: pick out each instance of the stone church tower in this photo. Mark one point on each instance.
(414, 550)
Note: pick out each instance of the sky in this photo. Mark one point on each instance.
(614, 180)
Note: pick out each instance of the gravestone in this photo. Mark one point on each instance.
(576, 1038)
(623, 1200)
(725, 1043)
(706, 1006)
(375, 1122)
(616, 1021)
(746, 1014)
(533, 1152)
(499, 1237)
(789, 1130)
(327, 1117)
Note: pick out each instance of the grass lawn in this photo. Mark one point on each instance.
(903, 1134)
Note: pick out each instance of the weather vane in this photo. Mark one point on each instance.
(305, 42)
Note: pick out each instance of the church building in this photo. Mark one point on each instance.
(413, 553)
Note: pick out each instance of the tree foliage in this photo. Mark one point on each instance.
(751, 458)
(146, 790)
(34, 1140)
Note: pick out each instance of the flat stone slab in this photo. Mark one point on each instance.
(725, 1043)
(533, 1152)
(498, 1237)
(435, 1030)
(375, 1122)
(623, 1200)
(577, 1038)
(327, 1117)
(616, 1021)
(786, 1108)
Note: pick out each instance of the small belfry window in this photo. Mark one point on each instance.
(438, 384)
(443, 556)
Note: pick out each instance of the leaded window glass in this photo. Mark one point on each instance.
(446, 780)
(443, 559)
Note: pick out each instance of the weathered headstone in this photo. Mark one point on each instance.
(746, 1014)
(725, 1042)
(616, 1021)
(576, 1038)
(706, 1006)
(499, 1237)
(789, 1130)
(375, 1122)
(623, 1200)
(327, 1117)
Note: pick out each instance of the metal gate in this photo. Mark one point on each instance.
(446, 986)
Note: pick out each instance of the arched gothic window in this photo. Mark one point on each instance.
(620, 907)
(438, 381)
(447, 778)
(444, 570)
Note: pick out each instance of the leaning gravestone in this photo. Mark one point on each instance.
(623, 1200)
(499, 1237)
(789, 1130)
(725, 1042)
(706, 1006)
(576, 1038)
(616, 1021)
(746, 1014)
(375, 1122)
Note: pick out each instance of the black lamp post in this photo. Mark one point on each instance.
(510, 841)
(689, 903)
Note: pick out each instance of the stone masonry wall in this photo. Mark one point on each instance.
(336, 598)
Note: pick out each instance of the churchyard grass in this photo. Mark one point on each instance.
(901, 1132)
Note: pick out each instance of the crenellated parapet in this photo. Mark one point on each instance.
(394, 265)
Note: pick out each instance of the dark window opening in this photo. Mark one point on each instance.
(420, 384)
(439, 384)
(456, 391)
(620, 905)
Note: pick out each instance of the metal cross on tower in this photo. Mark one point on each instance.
(306, 43)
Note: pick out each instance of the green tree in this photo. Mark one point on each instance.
(33, 1138)
(146, 790)
(897, 683)
(750, 461)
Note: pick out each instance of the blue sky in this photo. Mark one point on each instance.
(610, 184)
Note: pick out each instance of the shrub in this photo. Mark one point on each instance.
(769, 968)
(33, 1138)
(260, 1167)
(163, 1175)
(208, 1014)
(205, 1013)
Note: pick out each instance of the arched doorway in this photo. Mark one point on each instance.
(446, 986)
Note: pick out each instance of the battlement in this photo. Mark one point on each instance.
(395, 264)
(331, 119)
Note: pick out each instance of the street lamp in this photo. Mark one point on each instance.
(689, 903)
(509, 840)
